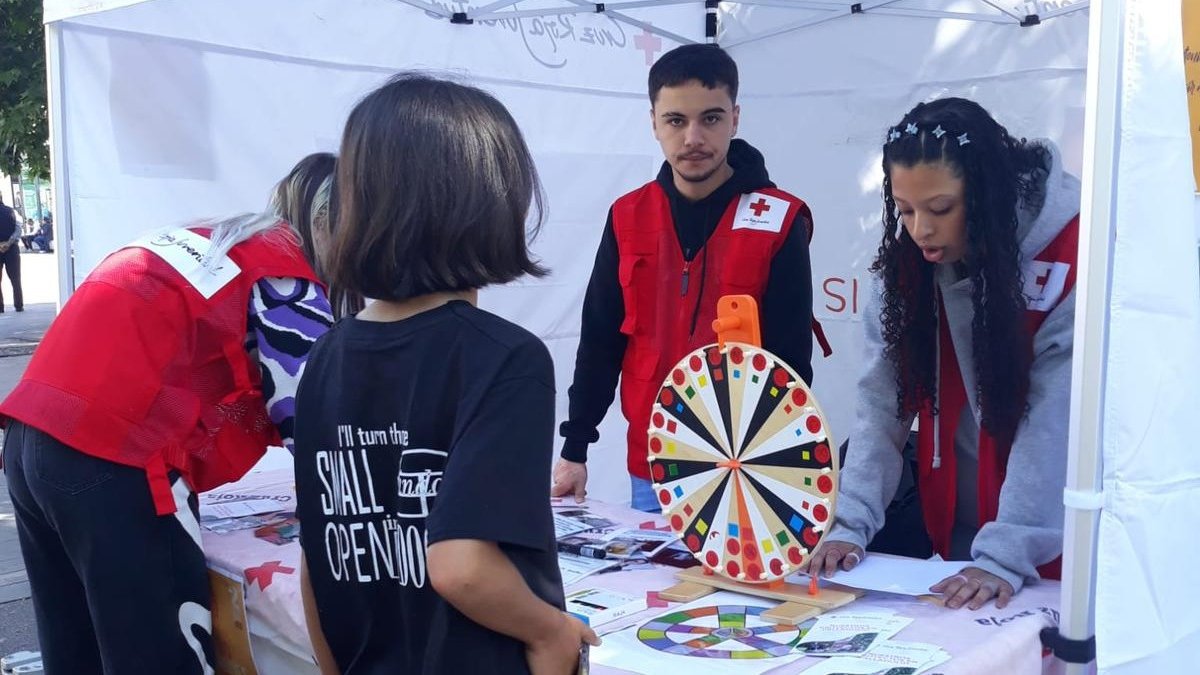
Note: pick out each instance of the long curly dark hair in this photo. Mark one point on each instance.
(998, 171)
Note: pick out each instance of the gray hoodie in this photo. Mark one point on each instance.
(1028, 529)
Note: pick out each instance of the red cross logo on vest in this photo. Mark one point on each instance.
(265, 573)
(759, 207)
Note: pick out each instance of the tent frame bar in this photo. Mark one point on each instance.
(836, 11)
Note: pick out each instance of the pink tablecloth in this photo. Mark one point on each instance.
(986, 641)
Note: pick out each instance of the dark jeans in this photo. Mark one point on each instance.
(11, 261)
(116, 588)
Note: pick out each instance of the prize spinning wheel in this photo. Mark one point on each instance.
(742, 462)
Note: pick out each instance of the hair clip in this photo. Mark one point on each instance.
(911, 129)
(893, 134)
(963, 140)
(938, 132)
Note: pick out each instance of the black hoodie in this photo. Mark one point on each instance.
(786, 313)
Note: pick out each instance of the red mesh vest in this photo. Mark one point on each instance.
(1053, 278)
(142, 369)
(662, 321)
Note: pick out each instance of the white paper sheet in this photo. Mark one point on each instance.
(907, 576)
(247, 507)
(850, 633)
(575, 567)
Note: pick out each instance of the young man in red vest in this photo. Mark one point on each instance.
(711, 224)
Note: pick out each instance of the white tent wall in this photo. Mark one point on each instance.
(174, 112)
(1146, 590)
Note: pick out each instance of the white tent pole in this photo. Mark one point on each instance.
(830, 16)
(63, 230)
(939, 14)
(579, 8)
(1088, 368)
(643, 25)
(1004, 9)
(495, 6)
(1066, 10)
(795, 4)
(428, 7)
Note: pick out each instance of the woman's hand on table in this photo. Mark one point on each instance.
(832, 555)
(975, 587)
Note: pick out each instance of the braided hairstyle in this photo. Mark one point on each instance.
(998, 171)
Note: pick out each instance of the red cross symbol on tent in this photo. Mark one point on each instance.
(649, 43)
(759, 207)
(264, 573)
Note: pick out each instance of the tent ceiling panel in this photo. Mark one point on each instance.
(589, 50)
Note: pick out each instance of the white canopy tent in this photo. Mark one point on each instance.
(163, 111)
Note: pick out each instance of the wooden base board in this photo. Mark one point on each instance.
(799, 606)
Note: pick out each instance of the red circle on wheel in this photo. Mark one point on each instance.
(777, 567)
(732, 568)
(811, 537)
(795, 555)
(659, 420)
(676, 523)
(736, 355)
(799, 397)
(678, 377)
(695, 364)
(714, 356)
(760, 362)
(813, 424)
(820, 512)
(781, 378)
(667, 397)
(693, 542)
(655, 445)
(733, 547)
(712, 559)
(822, 453)
(658, 472)
(825, 484)
(664, 497)
(751, 551)
(753, 571)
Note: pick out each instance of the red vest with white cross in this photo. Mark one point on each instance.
(147, 366)
(670, 303)
(1049, 278)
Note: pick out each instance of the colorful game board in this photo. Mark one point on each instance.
(742, 462)
(721, 632)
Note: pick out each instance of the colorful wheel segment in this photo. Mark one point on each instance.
(721, 632)
(742, 462)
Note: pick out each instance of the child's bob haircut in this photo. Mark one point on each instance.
(434, 186)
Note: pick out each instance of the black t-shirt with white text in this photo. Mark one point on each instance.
(408, 433)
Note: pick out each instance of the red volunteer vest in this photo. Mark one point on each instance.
(1050, 278)
(661, 290)
(146, 365)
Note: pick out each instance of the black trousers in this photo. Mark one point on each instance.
(116, 588)
(11, 261)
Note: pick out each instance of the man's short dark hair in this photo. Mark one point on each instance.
(707, 63)
(434, 185)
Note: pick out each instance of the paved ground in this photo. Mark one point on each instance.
(19, 334)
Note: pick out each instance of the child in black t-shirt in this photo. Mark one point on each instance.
(424, 425)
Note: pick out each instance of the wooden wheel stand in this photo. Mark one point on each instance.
(738, 322)
(798, 605)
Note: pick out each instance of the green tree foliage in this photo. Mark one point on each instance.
(24, 132)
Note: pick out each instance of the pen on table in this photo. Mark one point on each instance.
(584, 550)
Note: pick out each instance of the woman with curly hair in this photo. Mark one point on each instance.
(969, 331)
